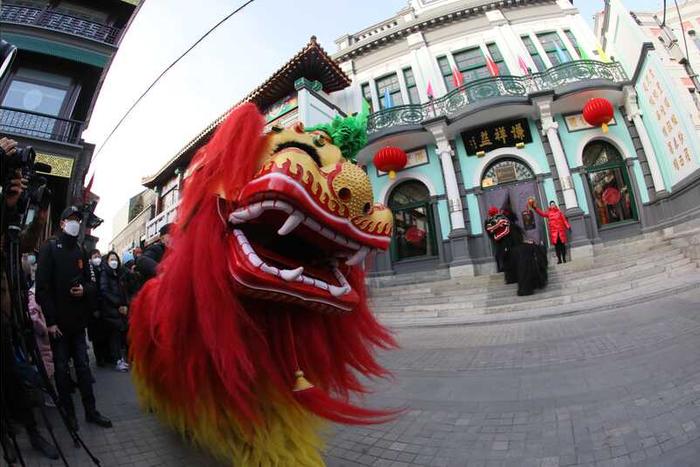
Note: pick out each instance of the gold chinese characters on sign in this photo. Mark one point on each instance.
(498, 135)
(60, 166)
(675, 140)
(577, 122)
(413, 158)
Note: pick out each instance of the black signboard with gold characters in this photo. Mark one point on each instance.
(478, 141)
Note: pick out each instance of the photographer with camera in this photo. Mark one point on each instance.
(65, 292)
(18, 394)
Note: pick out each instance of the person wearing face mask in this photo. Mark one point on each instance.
(114, 308)
(558, 226)
(98, 331)
(65, 292)
(147, 263)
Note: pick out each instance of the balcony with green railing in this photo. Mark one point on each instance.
(513, 88)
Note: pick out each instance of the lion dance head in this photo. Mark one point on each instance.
(257, 328)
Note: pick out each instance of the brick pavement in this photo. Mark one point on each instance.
(610, 388)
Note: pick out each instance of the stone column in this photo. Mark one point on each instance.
(454, 202)
(550, 130)
(634, 114)
(579, 235)
(460, 264)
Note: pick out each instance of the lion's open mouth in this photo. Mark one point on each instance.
(293, 254)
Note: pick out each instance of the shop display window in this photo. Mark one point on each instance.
(609, 183)
(414, 232)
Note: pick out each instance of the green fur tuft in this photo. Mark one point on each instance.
(349, 133)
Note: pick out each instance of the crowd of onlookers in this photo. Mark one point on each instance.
(69, 292)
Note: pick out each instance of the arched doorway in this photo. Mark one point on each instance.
(609, 183)
(508, 183)
(414, 227)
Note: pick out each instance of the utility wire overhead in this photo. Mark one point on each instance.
(155, 81)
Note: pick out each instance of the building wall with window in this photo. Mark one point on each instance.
(47, 96)
(487, 101)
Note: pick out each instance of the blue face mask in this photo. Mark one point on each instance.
(31, 259)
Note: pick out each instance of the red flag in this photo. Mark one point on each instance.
(491, 65)
(523, 66)
(457, 77)
(86, 190)
(429, 91)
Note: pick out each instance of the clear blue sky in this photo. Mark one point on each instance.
(227, 65)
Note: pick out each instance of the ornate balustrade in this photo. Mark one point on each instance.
(456, 101)
(38, 125)
(59, 21)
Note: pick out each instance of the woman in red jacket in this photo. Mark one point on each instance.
(558, 227)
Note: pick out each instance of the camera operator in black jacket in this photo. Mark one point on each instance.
(66, 294)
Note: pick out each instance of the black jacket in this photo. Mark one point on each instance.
(61, 265)
(112, 291)
(147, 263)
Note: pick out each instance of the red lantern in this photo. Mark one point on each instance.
(414, 235)
(598, 112)
(390, 159)
(611, 196)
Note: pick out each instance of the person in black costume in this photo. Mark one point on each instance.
(522, 262)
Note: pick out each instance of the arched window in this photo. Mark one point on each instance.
(609, 183)
(505, 171)
(414, 231)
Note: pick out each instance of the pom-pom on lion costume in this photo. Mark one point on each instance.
(257, 326)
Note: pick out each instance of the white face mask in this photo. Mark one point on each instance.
(113, 264)
(71, 228)
(96, 261)
(31, 259)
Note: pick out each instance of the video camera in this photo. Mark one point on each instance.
(37, 194)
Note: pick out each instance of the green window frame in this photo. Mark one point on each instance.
(574, 42)
(534, 54)
(410, 205)
(411, 87)
(446, 72)
(497, 58)
(390, 82)
(549, 42)
(605, 166)
(367, 95)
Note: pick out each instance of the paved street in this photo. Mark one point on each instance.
(609, 388)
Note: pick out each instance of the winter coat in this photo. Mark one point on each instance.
(41, 333)
(558, 224)
(113, 296)
(61, 264)
(147, 263)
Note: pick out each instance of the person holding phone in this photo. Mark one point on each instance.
(66, 295)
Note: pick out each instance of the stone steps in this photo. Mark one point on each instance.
(675, 283)
(557, 276)
(559, 296)
(621, 272)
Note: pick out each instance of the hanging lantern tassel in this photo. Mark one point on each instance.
(392, 174)
(604, 127)
(317, 401)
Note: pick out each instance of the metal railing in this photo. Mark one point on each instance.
(456, 101)
(39, 125)
(59, 21)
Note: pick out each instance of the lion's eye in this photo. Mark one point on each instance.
(319, 141)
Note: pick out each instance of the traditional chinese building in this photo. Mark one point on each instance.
(486, 99)
(300, 91)
(47, 97)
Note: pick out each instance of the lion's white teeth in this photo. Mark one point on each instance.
(291, 223)
(338, 291)
(291, 275)
(358, 257)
